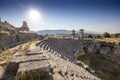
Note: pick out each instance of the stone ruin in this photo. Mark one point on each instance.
(16, 36)
(24, 27)
(5, 26)
(73, 34)
(80, 35)
(47, 60)
(54, 59)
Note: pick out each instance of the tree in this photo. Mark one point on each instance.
(117, 35)
(90, 36)
(98, 36)
(106, 35)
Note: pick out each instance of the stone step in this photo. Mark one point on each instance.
(34, 52)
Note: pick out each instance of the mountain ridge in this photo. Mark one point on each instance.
(62, 31)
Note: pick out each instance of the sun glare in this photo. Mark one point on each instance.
(34, 15)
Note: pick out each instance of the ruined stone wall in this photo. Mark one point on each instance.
(23, 37)
(100, 47)
(7, 41)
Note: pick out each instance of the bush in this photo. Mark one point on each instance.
(88, 36)
(106, 35)
(116, 35)
(4, 32)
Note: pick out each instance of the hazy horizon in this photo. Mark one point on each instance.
(91, 15)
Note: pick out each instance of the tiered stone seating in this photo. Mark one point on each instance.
(54, 45)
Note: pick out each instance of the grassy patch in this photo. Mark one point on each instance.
(84, 58)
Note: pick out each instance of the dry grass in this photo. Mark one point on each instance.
(115, 40)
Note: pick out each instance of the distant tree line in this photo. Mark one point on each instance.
(104, 35)
(108, 35)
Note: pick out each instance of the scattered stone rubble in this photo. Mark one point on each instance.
(48, 61)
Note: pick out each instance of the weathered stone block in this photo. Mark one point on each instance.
(34, 70)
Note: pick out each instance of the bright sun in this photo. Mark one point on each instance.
(34, 15)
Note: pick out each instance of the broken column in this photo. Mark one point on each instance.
(73, 34)
(81, 34)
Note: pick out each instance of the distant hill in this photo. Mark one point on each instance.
(53, 32)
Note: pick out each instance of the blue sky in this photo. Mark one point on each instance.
(92, 15)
